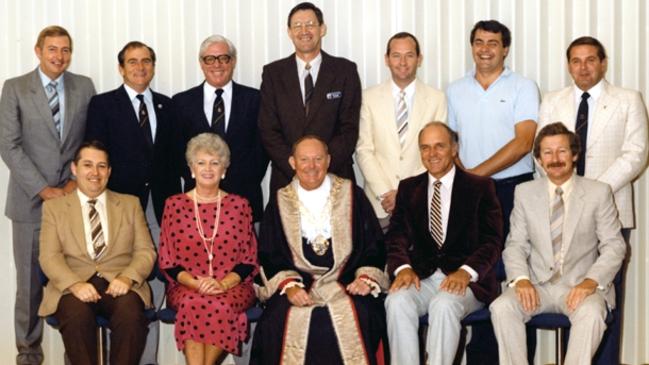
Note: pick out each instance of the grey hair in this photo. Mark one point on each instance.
(210, 143)
(217, 38)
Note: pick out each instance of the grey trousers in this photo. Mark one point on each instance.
(29, 293)
(586, 330)
(445, 311)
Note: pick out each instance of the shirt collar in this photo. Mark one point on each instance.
(83, 198)
(45, 80)
(209, 89)
(314, 62)
(505, 73)
(566, 187)
(594, 91)
(132, 94)
(447, 180)
(410, 89)
(309, 195)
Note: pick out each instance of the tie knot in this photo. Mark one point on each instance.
(92, 202)
(437, 184)
(218, 92)
(52, 85)
(558, 191)
(402, 94)
(307, 66)
(585, 96)
(140, 97)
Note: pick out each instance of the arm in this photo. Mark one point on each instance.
(633, 152)
(343, 142)
(270, 127)
(518, 244)
(510, 153)
(398, 237)
(143, 256)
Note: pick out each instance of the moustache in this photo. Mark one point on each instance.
(556, 164)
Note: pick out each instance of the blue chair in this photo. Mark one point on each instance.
(102, 323)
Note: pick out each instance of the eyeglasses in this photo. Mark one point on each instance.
(223, 59)
(310, 25)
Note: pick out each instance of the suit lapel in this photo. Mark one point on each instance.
(75, 216)
(606, 105)
(418, 109)
(540, 210)
(237, 109)
(420, 199)
(456, 213)
(576, 204)
(565, 111)
(326, 75)
(387, 113)
(71, 104)
(114, 212)
(291, 84)
(39, 99)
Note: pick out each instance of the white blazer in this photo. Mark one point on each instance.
(380, 156)
(617, 139)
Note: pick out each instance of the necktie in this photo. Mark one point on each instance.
(402, 117)
(143, 115)
(53, 101)
(308, 88)
(96, 233)
(581, 127)
(218, 114)
(435, 215)
(556, 231)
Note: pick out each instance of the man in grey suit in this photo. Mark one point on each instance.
(42, 123)
(562, 253)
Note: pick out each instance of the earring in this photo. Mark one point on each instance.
(193, 176)
(222, 176)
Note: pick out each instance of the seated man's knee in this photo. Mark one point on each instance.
(399, 301)
(504, 305)
(74, 314)
(129, 309)
(593, 308)
(445, 304)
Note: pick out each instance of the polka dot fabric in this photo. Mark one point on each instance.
(217, 320)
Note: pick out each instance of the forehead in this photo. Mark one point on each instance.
(304, 16)
(583, 51)
(310, 147)
(93, 154)
(403, 45)
(206, 154)
(556, 141)
(217, 49)
(137, 52)
(59, 41)
(487, 36)
(435, 134)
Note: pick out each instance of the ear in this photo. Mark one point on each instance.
(73, 168)
(420, 59)
(506, 52)
(291, 161)
(323, 30)
(121, 70)
(38, 51)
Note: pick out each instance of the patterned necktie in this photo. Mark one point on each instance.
(402, 117)
(435, 215)
(96, 233)
(556, 229)
(143, 115)
(53, 101)
(218, 114)
(308, 88)
(581, 127)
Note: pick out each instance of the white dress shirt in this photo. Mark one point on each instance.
(60, 89)
(410, 95)
(148, 101)
(209, 95)
(100, 206)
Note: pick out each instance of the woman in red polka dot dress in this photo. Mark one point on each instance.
(209, 254)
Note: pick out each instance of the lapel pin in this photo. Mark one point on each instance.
(159, 106)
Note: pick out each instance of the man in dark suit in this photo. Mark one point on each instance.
(136, 125)
(42, 120)
(444, 239)
(222, 106)
(309, 92)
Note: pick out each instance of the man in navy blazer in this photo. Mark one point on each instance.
(309, 92)
(222, 106)
(136, 126)
(443, 242)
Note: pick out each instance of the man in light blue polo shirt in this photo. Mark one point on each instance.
(494, 111)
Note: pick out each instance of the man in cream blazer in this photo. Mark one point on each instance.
(97, 252)
(616, 142)
(385, 154)
(562, 253)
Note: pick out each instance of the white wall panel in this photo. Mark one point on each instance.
(358, 30)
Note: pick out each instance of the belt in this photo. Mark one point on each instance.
(515, 179)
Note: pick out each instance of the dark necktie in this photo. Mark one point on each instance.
(96, 232)
(53, 101)
(581, 127)
(308, 88)
(218, 114)
(143, 115)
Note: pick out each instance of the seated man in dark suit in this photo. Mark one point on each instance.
(96, 250)
(443, 243)
(229, 109)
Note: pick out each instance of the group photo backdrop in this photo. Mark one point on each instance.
(357, 30)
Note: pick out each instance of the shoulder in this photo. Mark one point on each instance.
(592, 187)
(557, 95)
(339, 63)
(279, 64)
(78, 80)
(621, 93)
(244, 91)
(125, 199)
(413, 181)
(160, 98)
(21, 82)
(455, 87)
(377, 90)
(428, 91)
(473, 181)
(58, 204)
(188, 94)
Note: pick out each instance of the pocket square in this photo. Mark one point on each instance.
(334, 95)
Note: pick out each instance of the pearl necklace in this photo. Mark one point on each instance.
(199, 226)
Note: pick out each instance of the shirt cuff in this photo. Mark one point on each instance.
(515, 281)
(243, 270)
(473, 273)
(290, 284)
(404, 266)
(375, 289)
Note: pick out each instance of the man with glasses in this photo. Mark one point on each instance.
(222, 106)
(309, 92)
(136, 126)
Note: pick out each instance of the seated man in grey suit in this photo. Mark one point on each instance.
(96, 249)
(562, 253)
(42, 119)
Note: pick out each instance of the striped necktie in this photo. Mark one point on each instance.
(556, 229)
(218, 114)
(96, 233)
(402, 117)
(308, 88)
(53, 102)
(143, 116)
(435, 215)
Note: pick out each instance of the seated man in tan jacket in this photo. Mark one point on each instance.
(96, 250)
